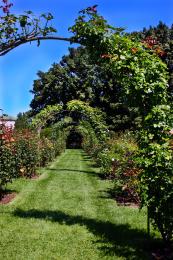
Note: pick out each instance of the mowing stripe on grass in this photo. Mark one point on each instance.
(68, 214)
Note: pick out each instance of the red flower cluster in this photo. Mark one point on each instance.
(134, 50)
(160, 52)
(92, 9)
(152, 44)
(106, 56)
(6, 134)
(6, 7)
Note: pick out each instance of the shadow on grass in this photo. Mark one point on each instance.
(109, 193)
(117, 240)
(71, 170)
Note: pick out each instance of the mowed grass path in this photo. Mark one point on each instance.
(67, 214)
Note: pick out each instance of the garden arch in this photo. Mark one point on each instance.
(143, 80)
(93, 115)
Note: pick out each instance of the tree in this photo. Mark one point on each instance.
(76, 77)
(22, 121)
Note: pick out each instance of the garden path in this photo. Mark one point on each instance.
(68, 214)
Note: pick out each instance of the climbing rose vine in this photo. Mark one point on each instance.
(19, 29)
(143, 79)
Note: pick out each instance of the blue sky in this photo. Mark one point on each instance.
(18, 68)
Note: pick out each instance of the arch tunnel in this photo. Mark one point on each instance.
(74, 140)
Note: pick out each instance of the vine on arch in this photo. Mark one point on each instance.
(94, 115)
(92, 125)
(16, 30)
(45, 115)
(92, 143)
(143, 78)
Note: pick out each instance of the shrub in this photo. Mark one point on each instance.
(22, 151)
(7, 166)
(117, 163)
(7, 157)
(26, 152)
(57, 135)
(46, 151)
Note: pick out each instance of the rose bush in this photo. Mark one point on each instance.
(7, 156)
(22, 152)
(26, 152)
(117, 161)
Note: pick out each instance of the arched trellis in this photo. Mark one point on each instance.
(94, 133)
(143, 80)
(92, 144)
(84, 128)
(93, 115)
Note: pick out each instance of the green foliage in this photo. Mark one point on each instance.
(76, 77)
(93, 115)
(58, 135)
(7, 166)
(160, 38)
(92, 144)
(156, 185)
(45, 115)
(144, 80)
(22, 121)
(92, 126)
(18, 29)
(26, 153)
(118, 164)
(73, 78)
(46, 151)
(117, 148)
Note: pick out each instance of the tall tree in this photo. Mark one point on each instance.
(76, 77)
(22, 121)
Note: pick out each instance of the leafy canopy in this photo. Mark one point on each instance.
(143, 78)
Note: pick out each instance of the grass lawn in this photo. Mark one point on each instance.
(67, 214)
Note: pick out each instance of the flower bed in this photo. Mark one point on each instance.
(21, 153)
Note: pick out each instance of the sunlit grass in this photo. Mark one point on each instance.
(67, 214)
